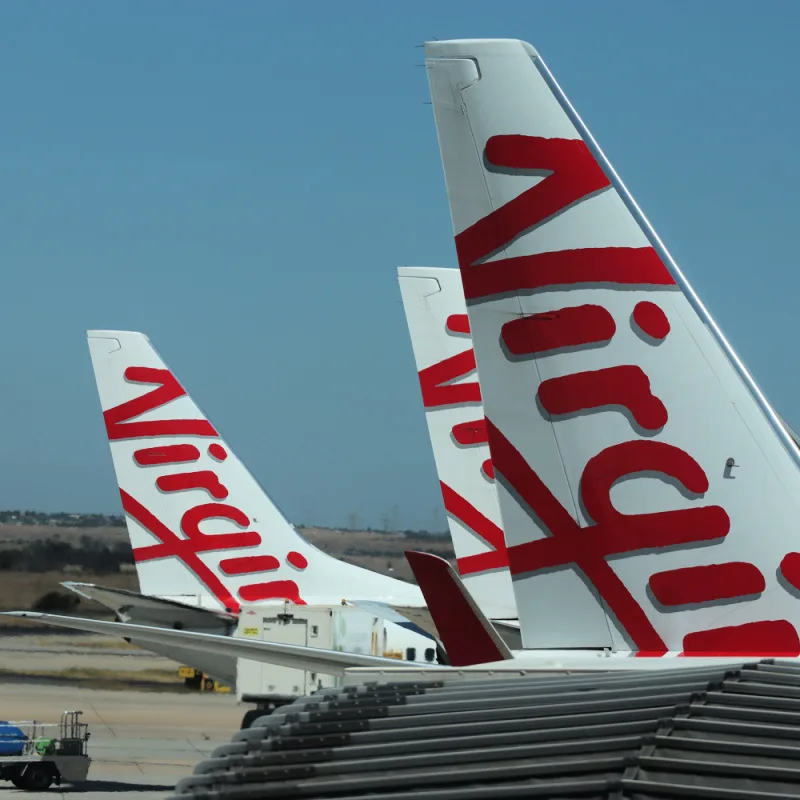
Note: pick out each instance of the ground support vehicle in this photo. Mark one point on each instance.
(34, 755)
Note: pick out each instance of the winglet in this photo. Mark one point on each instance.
(468, 637)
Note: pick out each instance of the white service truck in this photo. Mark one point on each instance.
(331, 627)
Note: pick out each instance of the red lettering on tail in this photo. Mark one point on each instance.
(171, 545)
(651, 319)
(567, 327)
(469, 433)
(198, 542)
(169, 454)
(438, 392)
(790, 569)
(185, 550)
(458, 323)
(167, 389)
(247, 564)
(705, 584)
(217, 452)
(681, 526)
(435, 382)
(185, 481)
(626, 386)
(297, 560)
(764, 638)
(272, 590)
(482, 527)
(627, 266)
(612, 533)
(574, 176)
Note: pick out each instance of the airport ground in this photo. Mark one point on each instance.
(147, 731)
(142, 742)
(80, 659)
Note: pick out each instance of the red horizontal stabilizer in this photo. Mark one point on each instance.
(468, 637)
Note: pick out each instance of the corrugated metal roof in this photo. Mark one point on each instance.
(712, 732)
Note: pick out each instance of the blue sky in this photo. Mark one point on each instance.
(240, 180)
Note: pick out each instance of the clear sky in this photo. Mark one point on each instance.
(239, 180)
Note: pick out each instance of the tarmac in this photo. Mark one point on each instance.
(33, 651)
(142, 742)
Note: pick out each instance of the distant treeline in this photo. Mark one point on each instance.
(426, 535)
(61, 519)
(46, 555)
(409, 534)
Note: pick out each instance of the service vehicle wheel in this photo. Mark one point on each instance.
(36, 778)
(13, 774)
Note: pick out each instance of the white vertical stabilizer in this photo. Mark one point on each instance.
(648, 493)
(201, 527)
(437, 323)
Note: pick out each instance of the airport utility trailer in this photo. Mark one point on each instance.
(33, 754)
(334, 627)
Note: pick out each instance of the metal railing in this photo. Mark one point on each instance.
(69, 736)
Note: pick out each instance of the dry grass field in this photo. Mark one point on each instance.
(381, 552)
(18, 535)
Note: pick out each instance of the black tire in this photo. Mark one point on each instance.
(194, 682)
(13, 774)
(36, 778)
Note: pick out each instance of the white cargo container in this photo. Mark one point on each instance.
(342, 628)
(328, 627)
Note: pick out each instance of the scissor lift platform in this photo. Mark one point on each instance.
(48, 753)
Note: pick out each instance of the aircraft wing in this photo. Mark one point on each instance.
(330, 662)
(142, 609)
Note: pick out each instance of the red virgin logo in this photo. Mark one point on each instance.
(191, 544)
(439, 391)
(574, 176)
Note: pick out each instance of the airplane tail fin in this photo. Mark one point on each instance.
(437, 323)
(200, 526)
(649, 494)
(467, 635)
